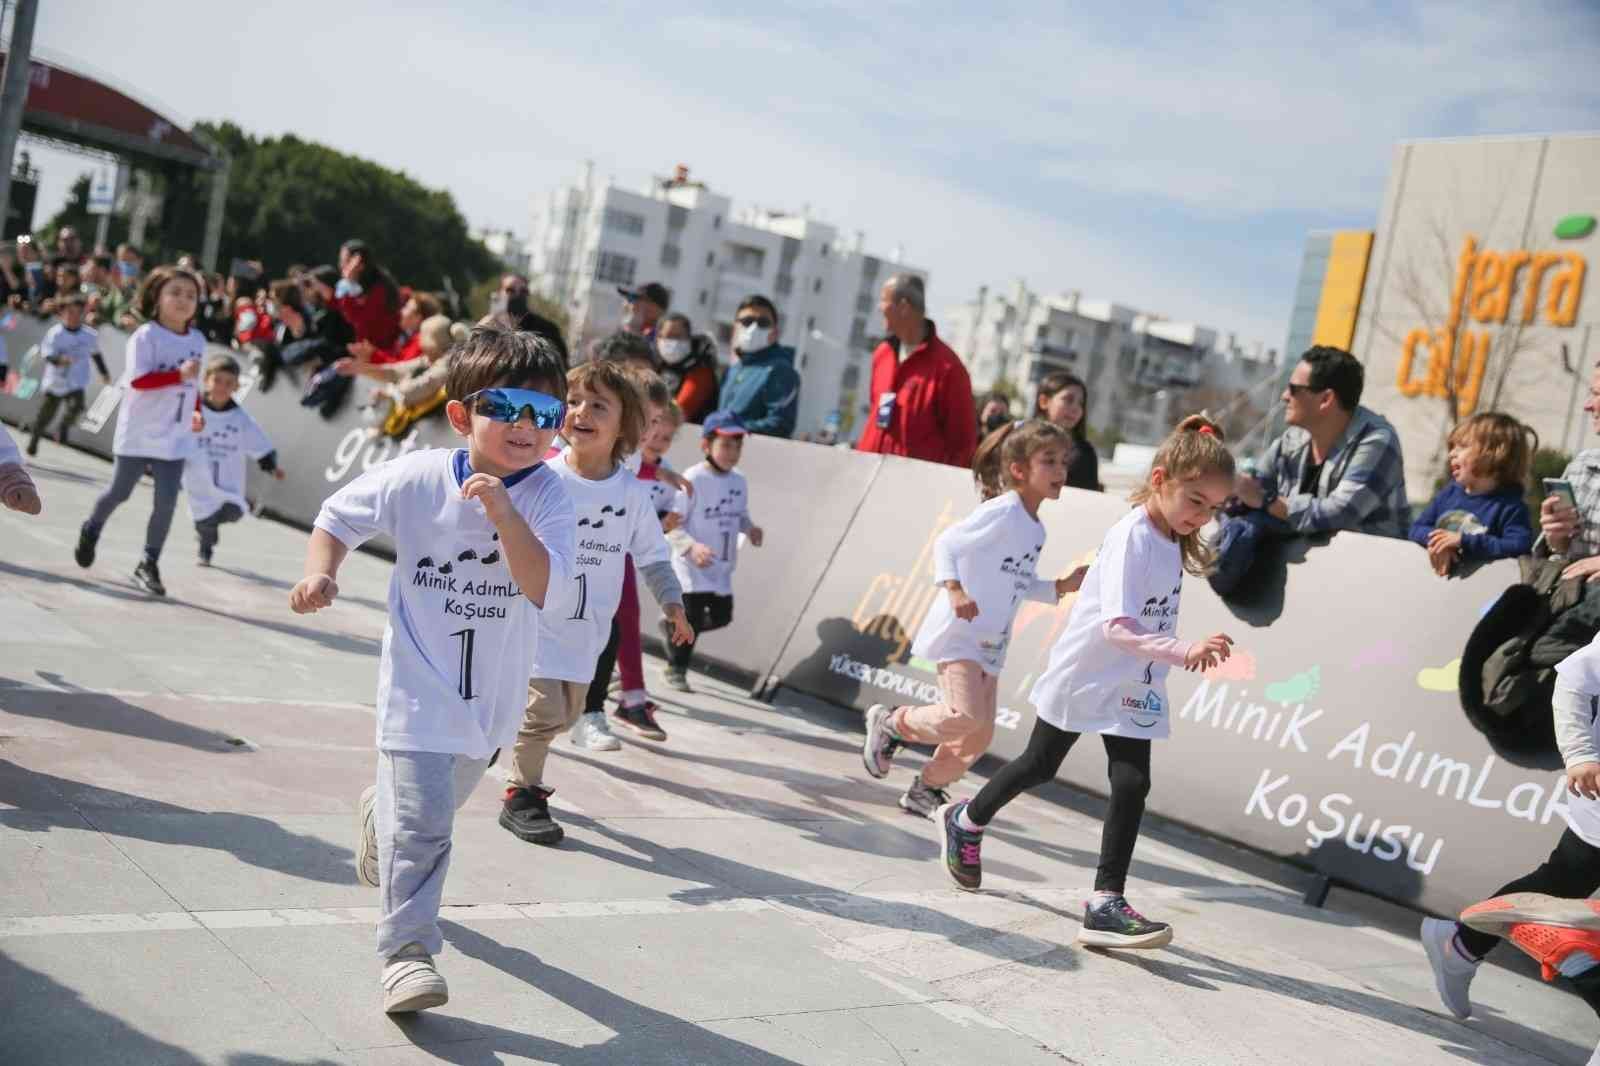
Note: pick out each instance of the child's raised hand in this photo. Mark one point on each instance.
(1072, 582)
(1205, 654)
(1584, 780)
(701, 555)
(278, 473)
(964, 606)
(677, 481)
(682, 632)
(756, 535)
(491, 492)
(197, 422)
(313, 593)
(188, 369)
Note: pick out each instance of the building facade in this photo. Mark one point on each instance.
(1142, 372)
(506, 246)
(591, 237)
(1473, 292)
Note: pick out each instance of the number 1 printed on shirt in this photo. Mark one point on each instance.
(464, 681)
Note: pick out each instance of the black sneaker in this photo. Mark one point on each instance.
(640, 720)
(1114, 924)
(84, 553)
(526, 813)
(33, 446)
(962, 858)
(148, 577)
(205, 557)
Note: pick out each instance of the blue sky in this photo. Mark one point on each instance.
(1168, 157)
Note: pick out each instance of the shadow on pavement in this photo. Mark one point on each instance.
(84, 708)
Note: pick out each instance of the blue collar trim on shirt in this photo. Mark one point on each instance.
(463, 469)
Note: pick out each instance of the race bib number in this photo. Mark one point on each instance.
(885, 409)
(100, 412)
(1141, 709)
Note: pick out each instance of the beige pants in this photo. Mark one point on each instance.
(553, 706)
(962, 725)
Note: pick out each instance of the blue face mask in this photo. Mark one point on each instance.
(346, 287)
(127, 269)
(509, 405)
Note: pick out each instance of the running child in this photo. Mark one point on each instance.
(986, 563)
(68, 348)
(626, 652)
(714, 515)
(482, 535)
(605, 415)
(1481, 514)
(159, 418)
(1107, 675)
(1455, 949)
(214, 475)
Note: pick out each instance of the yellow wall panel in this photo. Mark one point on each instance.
(1341, 289)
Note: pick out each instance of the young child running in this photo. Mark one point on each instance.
(214, 475)
(482, 535)
(1107, 675)
(1573, 869)
(158, 419)
(713, 517)
(605, 415)
(986, 564)
(634, 705)
(68, 348)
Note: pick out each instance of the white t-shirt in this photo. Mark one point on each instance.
(214, 474)
(459, 644)
(77, 345)
(994, 553)
(615, 520)
(1090, 686)
(714, 516)
(1581, 671)
(154, 423)
(662, 494)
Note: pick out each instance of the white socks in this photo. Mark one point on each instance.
(1576, 963)
(967, 823)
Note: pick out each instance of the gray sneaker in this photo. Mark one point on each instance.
(923, 800)
(1452, 974)
(367, 838)
(877, 750)
(677, 679)
(592, 733)
(411, 983)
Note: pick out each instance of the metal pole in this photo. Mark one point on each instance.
(219, 198)
(14, 92)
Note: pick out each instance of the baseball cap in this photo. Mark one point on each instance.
(653, 291)
(722, 424)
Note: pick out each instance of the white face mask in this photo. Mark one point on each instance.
(674, 350)
(752, 338)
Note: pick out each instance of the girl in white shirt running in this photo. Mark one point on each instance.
(986, 564)
(1107, 675)
(159, 421)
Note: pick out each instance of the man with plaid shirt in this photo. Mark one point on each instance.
(1337, 466)
(1576, 533)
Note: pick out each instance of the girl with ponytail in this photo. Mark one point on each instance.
(986, 563)
(1107, 675)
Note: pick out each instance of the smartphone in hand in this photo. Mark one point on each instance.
(1556, 486)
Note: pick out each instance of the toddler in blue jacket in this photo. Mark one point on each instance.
(1481, 514)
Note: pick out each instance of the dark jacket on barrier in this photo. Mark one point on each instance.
(763, 389)
(921, 404)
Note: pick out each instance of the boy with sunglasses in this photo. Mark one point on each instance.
(481, 535)
(762, 386)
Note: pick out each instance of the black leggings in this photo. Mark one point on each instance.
(706, 611)
(72, 401)
(1571, 872)
(1129, 770)
(603, 667)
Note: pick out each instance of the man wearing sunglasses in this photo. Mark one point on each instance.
(1337, 466)
(762, 386)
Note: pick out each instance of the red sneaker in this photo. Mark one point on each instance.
(1546, 928)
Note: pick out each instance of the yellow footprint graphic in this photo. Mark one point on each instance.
(1440, 678)
(1296, 689)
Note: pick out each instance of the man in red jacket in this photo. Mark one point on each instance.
(921, 395)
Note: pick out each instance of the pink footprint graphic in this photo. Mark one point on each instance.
(1241, 666)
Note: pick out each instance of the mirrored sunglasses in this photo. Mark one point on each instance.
(509, 405)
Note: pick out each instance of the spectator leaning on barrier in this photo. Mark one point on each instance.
(762, 386)
(13, 286)
(1569, 532)
(1337, 466)
(996, 413)
(688, 365)
(117, 303)
(367, 296)
(511, 311)
(643, 307)
(921, 393)
(1063, 399)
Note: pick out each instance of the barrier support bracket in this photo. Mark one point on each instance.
(1317, 892)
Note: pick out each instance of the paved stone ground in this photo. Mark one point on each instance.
(176, 882)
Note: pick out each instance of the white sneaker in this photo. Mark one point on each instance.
(1452, 974)
(411, 983)
(367, 838)
(1594, 1060)
(593, 733)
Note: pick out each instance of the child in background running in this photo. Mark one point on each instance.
(159, 418)
(1481, 514)
(986, 563)
(482, 536)
(1107, 675)
(605, 415)
(68, 348)
(713, 517)
(214, 475)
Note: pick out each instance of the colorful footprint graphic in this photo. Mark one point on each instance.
(1381, 653)
(1241, 666)
(1296, 689)
(1440, 678)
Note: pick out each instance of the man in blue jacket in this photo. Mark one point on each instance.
(762, 386)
